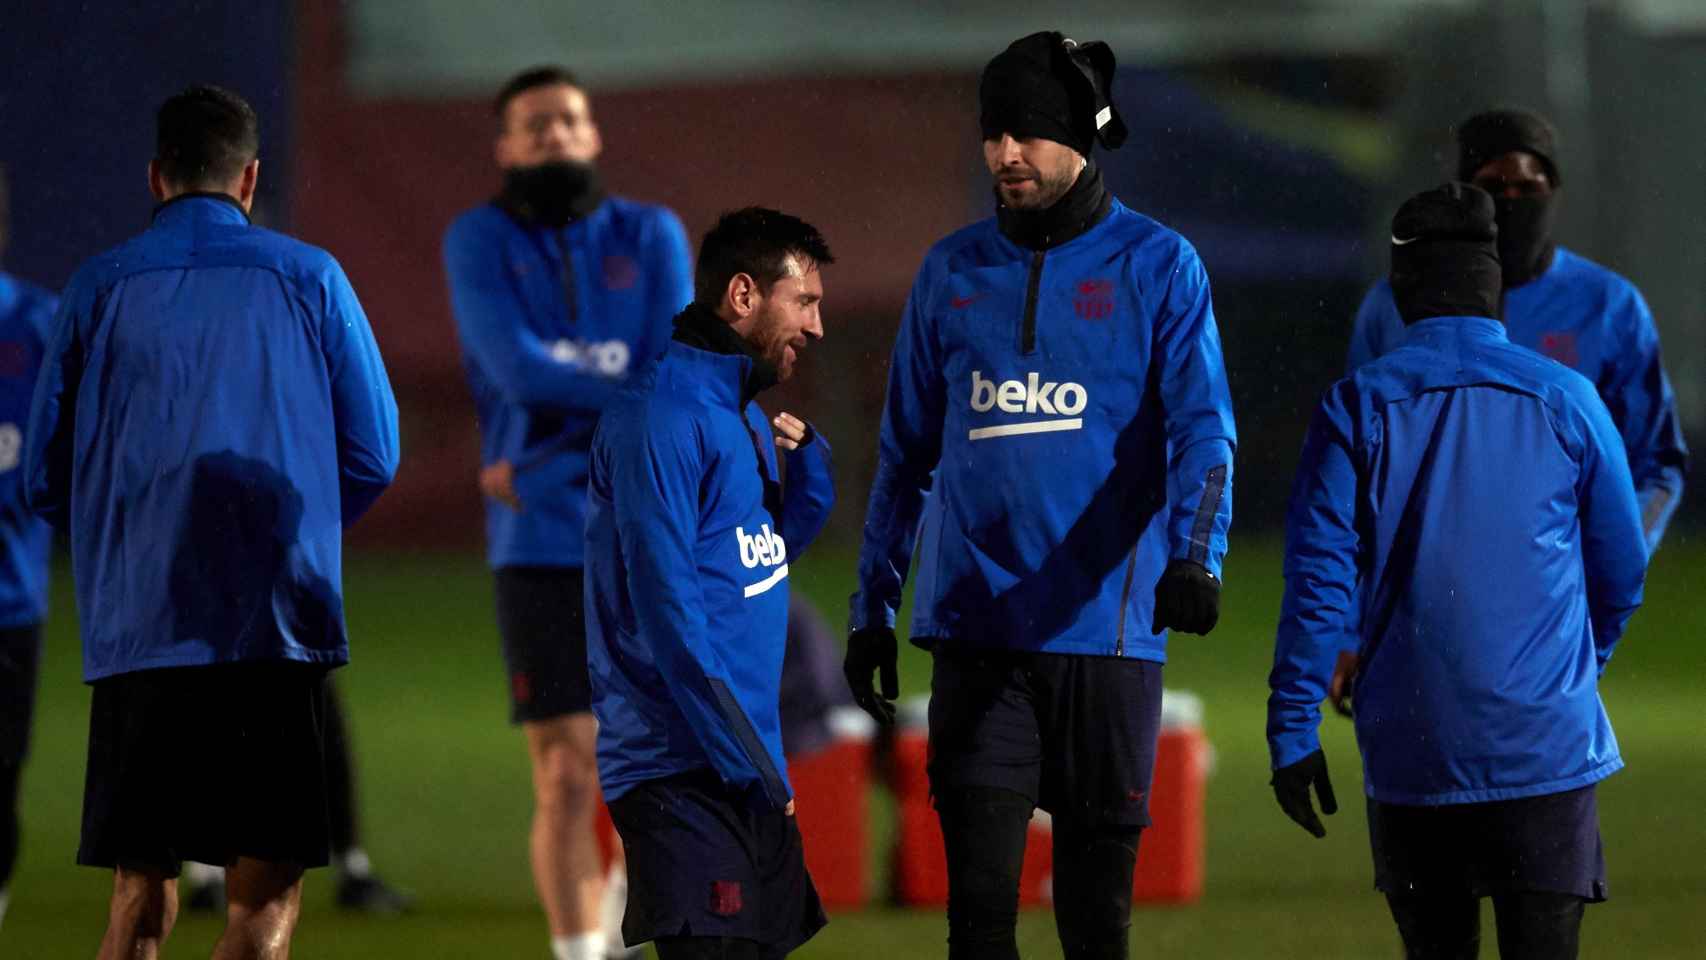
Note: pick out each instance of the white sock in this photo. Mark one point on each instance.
(579, 946)
(615, 904)
(354, 864)
(201, 874)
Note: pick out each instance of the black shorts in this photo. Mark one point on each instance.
(1075, 734)
(20, 662)
(207, 764)
(542, 621)
(702, 863)
(1545, 844)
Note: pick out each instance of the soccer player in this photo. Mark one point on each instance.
(560, 292)
(1561, 304)
(1057, 388)
(689, 538)
(211, 413)
(25, 313)
(1474, 497)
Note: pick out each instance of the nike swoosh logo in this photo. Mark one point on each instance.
(958, 302)
(1399, 243)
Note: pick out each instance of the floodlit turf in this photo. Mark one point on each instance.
(446, 791)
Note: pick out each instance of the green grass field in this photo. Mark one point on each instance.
(446, 791)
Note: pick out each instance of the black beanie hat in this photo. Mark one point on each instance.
(1485, 137)
(1445, 255)
(1046, 85)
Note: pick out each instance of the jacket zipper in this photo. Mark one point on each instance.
(1028, 328)
(569, 278)
(1125, 600)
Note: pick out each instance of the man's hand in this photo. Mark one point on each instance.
(1341, 689)
(497, 482)
(873, 648)
(1187, 598)
(788, 810)
(792, 433)
(1291, 788)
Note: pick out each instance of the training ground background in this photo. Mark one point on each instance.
(447, 798)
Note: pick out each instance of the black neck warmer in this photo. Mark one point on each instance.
(1526, 246)
(701, 328)
(203, 194)
(551, 194)
(1084, 205)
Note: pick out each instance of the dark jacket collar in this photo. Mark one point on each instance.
(1084, 205)
(201, 204)
(702, 329)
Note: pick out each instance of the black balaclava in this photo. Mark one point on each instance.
(1526, 245)
(552, 194)
(1445, 255)
(1048, 86)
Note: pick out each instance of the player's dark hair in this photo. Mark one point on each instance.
(757, 242)
(546, 76)
(205, 136)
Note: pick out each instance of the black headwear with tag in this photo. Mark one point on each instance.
(1047, 85)
(1526, 245)
(1445, 255)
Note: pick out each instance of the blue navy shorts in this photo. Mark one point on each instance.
(1073, 733)
(703, 863)
(1544, 844)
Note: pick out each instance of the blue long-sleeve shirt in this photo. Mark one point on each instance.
(211, 413)
(687, 577)
(1067, 412)
(26, 312)
(1594, 321)
(552, 324)
(1463, 517)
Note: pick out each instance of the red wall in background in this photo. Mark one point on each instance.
(883, 166)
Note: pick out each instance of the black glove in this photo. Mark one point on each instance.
(868, 649)
(1291, 788)
(1187, 598)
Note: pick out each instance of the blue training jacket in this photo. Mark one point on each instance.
(1594, 321)
(688, 547)
(212, 412)
(552, 323)
(1067, 413)
(26, 311)
(1473, 499)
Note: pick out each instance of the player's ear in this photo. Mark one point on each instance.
(156, 183)
(246, 186)
(743, 295)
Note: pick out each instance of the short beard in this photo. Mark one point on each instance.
(1048, 193)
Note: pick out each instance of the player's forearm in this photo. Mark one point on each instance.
(809, 495)
(885, 555)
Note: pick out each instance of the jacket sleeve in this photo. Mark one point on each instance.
(655, 482)
(516, 360)
(363, 407)
(1644, 408)
(808, 495)
(1317, 618)
(1197, 407)
(1614, 547)
(672, 274)
(1376, 321)
(50, 433)
(909, 445)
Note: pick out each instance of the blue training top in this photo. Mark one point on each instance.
(213, 411)
(26, 311)
(1463, 516)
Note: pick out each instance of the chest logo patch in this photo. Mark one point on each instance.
(620, 273)
(766, 550)
(1093, 299)
(1560, 346)
(1061, 402)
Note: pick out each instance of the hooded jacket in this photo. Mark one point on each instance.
(1463, 518)
(212, 412)
(26, 314)
(1065, 407)
(689, 537)
(1595, 322)
(552, 323)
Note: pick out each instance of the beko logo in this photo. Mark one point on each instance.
(762, 549)
(1033, 395)
(609, 357)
